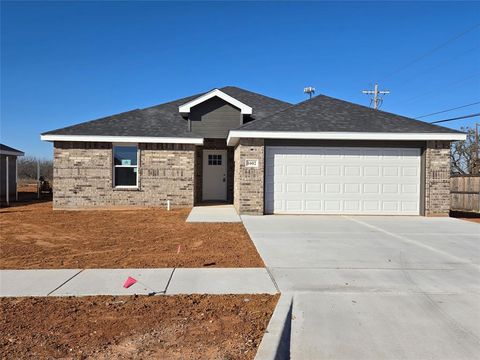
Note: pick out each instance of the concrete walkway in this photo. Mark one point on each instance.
(214, 213)
(78, 282)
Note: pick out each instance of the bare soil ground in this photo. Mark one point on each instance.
(159, 327)
(33, 236)
(476, 220)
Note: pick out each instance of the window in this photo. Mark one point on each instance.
(125, 166)
(214, 159)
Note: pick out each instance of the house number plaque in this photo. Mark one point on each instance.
(251, 163)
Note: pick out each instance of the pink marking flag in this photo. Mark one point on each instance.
(129, 282)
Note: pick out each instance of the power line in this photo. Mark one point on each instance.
(444, 111)
(452, 84)
(456, 118)
(436, 66)
(431, 51)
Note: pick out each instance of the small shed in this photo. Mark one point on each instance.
(8, 173)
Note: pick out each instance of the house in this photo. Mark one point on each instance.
(321, 156)
(8, 173)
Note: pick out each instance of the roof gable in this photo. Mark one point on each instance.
(244, 108)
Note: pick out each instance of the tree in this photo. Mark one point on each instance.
(27, 168)
(463, 153)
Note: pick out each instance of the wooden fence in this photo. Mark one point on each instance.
(465, 193)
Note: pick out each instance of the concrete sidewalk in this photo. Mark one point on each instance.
(213, 213)
(169, 281)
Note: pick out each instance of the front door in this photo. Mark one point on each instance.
(214, 175)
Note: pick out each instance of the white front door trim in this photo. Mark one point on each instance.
(214, 178)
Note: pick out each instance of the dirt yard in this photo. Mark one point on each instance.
(159, 327)
(33, 236)
(477, 220)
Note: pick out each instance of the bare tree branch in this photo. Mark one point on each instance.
(462, 153)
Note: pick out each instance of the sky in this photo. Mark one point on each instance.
(63, 63)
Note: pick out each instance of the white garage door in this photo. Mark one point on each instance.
(339, 180)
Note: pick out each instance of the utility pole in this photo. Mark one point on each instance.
(476, 157)
(377, 99)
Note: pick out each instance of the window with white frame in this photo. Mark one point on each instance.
(125, 165)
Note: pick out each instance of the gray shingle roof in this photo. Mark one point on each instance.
(326, 114)
(164, 120)
(5, 148)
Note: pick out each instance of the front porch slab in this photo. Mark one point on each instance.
(214, 213)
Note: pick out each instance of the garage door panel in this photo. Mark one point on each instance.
(313, 205)
(342, 180)
(390, 206)
(312, 170)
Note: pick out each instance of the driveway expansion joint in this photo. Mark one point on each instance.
(66, 281)
(273, 279)
(169, 280)
(410, 241)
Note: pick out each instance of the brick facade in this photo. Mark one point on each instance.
(249, 181)
(437, 178)
(83, 176)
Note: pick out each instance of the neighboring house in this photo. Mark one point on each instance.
(321, 156)
(8, 173)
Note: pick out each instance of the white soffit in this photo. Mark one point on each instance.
(244, 109)
(123, 139)
(235, 135)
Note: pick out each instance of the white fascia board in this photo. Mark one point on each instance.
(123, 139)
(244, 109)
(11, 153)
(235, 135)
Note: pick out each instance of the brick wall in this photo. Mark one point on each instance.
(249, 182)
(83, 176)
(437, 178)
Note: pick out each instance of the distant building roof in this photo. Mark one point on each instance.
(7, 150)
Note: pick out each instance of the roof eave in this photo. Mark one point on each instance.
(235, 135)
(11, 153)
(120, 139)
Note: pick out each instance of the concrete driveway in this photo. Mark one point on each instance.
(376, 287)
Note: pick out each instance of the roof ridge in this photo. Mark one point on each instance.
(255, 93)
(278, 112)
(174, 101)
(386, 112)
(266, 117)
(323, 96)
